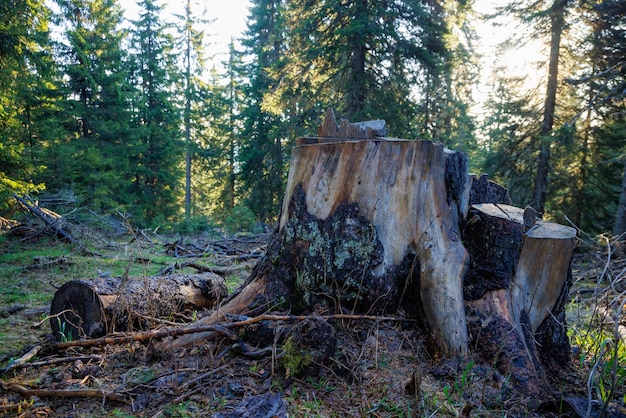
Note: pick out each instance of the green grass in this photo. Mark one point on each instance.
(31, 272)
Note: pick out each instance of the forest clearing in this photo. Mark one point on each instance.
(176, 241)
(372, 377)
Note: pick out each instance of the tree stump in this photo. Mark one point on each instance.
(518, 277)
(378, 225)
(91, 308)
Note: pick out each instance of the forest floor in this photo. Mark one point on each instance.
(373, 373)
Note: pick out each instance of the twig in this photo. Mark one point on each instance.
(143, 336)
(20, 361)
(51, 361)
(70, 393)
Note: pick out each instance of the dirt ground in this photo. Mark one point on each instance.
(373, 368)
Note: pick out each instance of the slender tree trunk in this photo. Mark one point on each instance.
(356, 101)
(543, 160)
(188, 116)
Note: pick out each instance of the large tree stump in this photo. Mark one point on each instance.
(91, 308)
(378, 225)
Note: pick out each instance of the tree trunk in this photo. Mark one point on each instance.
(376, 225)
(91, 308)
(557, 21)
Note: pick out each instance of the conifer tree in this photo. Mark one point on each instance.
(192, 61)
(263, 136)
(157, 149)
(26, 96)
(93, 156)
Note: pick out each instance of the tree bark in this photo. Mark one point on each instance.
(92, 308)
(518, 278)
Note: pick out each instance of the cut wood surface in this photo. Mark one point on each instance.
(94, 307)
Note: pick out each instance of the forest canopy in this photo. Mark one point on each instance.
(136, 117)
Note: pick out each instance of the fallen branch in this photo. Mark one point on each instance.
(217, 329)
(20, 361)
(53, 361)
(50, 219)
(70, 393)
(142, 336)
(220, 270)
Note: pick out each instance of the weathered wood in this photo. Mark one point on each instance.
(484, 190)
(517, 280)
(50, 219)
(345, 130)
(91, 308)
(400, 188)
(358, 219)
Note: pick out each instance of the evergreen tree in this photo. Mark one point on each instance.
(190, 44)
(365, 58)
(26, 96)
(604, 82)
(92, 158)
(265, 132)
(511, 130)
(157, 148)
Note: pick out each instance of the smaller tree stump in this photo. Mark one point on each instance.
(91, 308)
(517, 280)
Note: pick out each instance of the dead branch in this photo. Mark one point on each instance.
(20, 361)
(213, 329)
(52, 361)
(50, 219)
(69, 393)
(142, 336)
(220, 270)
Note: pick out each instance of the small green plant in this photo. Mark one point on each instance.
(241, 219)
(321, 384)
(65, 336)
(117, 413)
(457, 389)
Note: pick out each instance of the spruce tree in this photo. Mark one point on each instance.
(189, 41)
(264, 134)
(93, 156)
(157, 150)
(26, 96)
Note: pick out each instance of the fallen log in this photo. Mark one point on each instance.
(92, 308)
(51, 219)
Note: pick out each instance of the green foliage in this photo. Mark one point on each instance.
(606, 359)
(241, 219)
(195, 224)
(65, 336)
